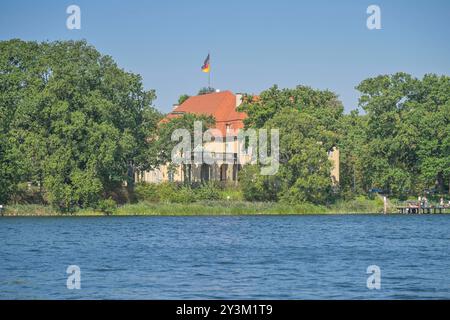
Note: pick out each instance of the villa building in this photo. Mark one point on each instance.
(222, 106)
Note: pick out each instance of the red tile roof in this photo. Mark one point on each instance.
(220, 105)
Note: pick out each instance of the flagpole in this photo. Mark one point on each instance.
(209, 73)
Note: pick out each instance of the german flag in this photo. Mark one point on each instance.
(206, 66)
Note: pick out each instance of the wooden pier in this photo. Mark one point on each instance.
(422, 210)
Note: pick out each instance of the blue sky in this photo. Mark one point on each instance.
(253, 44)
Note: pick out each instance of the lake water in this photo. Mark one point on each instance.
(256, 257)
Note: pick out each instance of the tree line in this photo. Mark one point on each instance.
(399, 145)
(74, 128)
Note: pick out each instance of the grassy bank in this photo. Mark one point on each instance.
(213, 207)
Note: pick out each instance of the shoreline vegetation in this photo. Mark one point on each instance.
(77, 132)
(205, 209)
(209, 208)
(207, 199)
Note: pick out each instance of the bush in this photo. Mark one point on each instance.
(147, 192)
(167, 191)
(119, 193)
(314, 188)
(208, 191)
(256, 187)
(170, 192)
(107, 206)
(25, 194)
(231, 192)
(184, 194)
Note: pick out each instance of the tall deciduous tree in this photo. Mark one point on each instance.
(77, 124)
(407, 133)
(353, 154)
(308, 121)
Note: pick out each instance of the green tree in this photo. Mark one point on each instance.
(16, 67)
(256, 187)
(353, 154)
(323, 105)
(78, 124)
(162, 146)
(304, 172)
(407, 133)
(308, 122)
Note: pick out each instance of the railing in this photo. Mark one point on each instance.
(423, 208)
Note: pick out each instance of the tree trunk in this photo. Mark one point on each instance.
(131, 182)
(440, 182)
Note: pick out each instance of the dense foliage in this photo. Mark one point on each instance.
(72, 122)
(75, 128)
(402, 144)
(167, 192)
(308, 120)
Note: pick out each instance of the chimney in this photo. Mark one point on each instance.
(238, 99)
(174, 106)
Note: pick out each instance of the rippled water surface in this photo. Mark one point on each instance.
(256, 257)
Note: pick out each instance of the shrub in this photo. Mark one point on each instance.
(231, 192)
(208, 191)
(184, 194)
(167, 191)
(107, 206)
(256, 187)
(25, 194)
(170, 192)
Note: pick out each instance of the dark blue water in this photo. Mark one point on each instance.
(257, 257)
